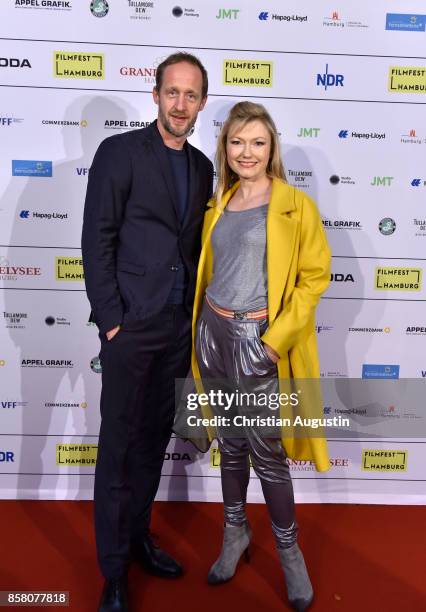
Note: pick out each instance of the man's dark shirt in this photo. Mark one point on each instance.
(179, 163)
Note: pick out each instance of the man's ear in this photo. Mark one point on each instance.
(155, 95)
(203, 103)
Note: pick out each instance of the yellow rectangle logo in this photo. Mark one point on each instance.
(398, 279)
(214, 457)
(247, 73)
(378, 460)
(407, 79)
(76, 454)
(69, 269)
(77, 65)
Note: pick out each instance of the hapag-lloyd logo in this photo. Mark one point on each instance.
(12, 272)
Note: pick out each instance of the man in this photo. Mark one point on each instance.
(143, 215)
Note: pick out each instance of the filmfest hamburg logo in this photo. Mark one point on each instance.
(69, 269)
(76, 65)
(76, 454)
(407, 79)
(398, 279)
(247, 73)
(379, 460)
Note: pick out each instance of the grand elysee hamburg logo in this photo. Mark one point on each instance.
(247, 73)
(407, 79)
(76, 65)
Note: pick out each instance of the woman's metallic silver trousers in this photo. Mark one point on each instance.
(231, 349)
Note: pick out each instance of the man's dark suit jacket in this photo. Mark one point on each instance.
(131, 232)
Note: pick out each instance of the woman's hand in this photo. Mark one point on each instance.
(273, 355)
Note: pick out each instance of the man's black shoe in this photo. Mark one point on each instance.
(114, 596)
(156, 561)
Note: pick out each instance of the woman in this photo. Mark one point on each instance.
(264, 264)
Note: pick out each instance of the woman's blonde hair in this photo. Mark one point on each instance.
(244, 113)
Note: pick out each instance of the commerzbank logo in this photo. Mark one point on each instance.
(407, 79)
(75, 65)
(247, 73)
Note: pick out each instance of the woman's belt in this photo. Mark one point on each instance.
(253, 315)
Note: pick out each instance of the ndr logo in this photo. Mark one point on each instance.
(329, 80)
(6, 456)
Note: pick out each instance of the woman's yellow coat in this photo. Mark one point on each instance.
(298, 265)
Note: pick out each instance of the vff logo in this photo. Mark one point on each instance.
(329, 80)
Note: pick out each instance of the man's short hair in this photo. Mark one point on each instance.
(177, 58)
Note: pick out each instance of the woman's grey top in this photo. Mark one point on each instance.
(239, 260)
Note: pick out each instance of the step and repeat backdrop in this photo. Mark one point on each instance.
(346, 86)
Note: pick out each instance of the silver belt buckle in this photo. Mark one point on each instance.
(239, 316)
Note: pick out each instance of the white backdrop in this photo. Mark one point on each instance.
(346, 89)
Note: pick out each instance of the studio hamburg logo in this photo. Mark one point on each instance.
(99, 8)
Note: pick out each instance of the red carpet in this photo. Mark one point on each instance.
(360, 558)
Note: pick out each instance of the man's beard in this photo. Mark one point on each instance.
(178, 133)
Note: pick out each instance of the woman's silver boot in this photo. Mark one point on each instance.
(299, 587)
(236, 541)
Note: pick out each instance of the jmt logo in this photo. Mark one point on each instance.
(6, 456)
(308, 132)
(329, 80)
(227, 14)
(384, 181)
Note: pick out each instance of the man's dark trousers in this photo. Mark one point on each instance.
(139, 367)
